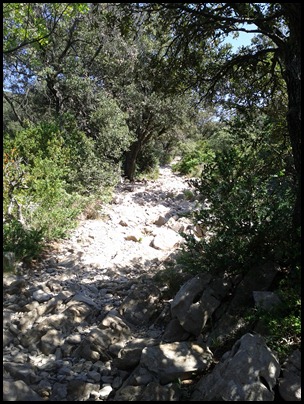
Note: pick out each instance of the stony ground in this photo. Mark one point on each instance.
(119, 244)
(96, 267)
(91, 323)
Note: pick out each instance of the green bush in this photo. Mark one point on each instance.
(250, 197)
(108, 124)
(37, 166)
(57, 211)
(89, 173)
(282, 324)
(193, 159)
(147, 162)
(27, 244)
(90, 169)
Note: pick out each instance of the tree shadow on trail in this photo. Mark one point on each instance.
(80, 299)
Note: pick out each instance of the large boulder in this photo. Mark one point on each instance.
(248, 372)
(194, 304)
(175, 360)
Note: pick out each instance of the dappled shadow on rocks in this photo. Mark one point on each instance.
(118, 339)
(66, 323)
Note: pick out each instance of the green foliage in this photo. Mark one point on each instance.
(44, 168)
(148, 159)
(282, 324)
(43, 184)
(55, 210)
(39, 142)
(68, 156)
(28, 23)
(14, 176)
(89, 171)
(112, 135)
(27, 244)
(194, 156)
(247, 205)
(10, 122)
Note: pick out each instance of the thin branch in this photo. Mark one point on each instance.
(34, 40)
(237, 60)
(13, 108)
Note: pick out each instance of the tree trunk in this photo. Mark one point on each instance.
(294, 129)
(292, 56)
(130, 160)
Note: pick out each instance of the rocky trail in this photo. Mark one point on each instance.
(90, 323)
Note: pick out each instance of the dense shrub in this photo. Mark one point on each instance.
(193, 157)
(281, 324)
(93, 163)
(108, 124)
(247, 203)
(50, 174)
(27, 244)
(147, 161)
